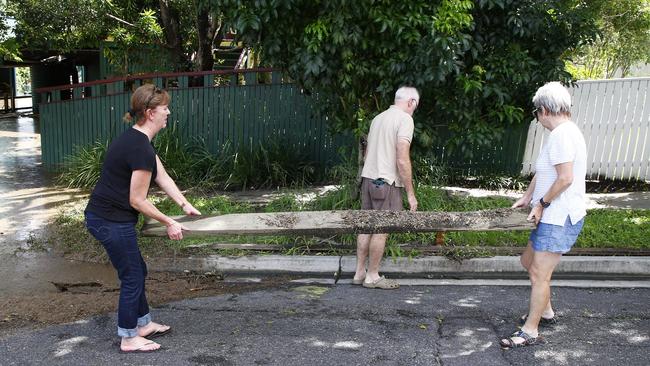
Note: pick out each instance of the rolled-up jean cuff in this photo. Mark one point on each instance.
(142, 321)
(129, 333)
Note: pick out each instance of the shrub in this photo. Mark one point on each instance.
(276, 163)
(82, 168)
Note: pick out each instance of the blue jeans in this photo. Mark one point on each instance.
(120, 241)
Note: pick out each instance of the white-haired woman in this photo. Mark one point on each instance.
(557, 197)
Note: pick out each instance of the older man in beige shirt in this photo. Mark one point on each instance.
(386, 171)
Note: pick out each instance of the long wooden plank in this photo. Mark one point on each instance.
(345, 222)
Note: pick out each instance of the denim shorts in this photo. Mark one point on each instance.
(555, 238)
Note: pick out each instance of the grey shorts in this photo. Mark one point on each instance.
(379, 195)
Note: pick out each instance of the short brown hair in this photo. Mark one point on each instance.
(147, 96)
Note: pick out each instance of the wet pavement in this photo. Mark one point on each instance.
(350, 325)
(29, 202)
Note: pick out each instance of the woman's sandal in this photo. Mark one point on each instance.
(543, 322)
(528, 340)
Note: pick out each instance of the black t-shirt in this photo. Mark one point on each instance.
(131, 151)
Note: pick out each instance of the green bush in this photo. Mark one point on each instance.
(427, 170)
(83, 167)
(176, 155)
(273, 164)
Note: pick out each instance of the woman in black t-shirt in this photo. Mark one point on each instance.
(130, 166)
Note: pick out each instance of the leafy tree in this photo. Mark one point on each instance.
(187, 30)
(9, 48)
(623, 39)
(476, 62)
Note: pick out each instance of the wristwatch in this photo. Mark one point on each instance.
(544, 204)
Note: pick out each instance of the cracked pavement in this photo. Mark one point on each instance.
(349, 325)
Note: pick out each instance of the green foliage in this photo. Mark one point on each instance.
(493, 182)
(285, 203)
(345, 195)
(191, 165)
(615, 228)
(175, 154)
(9, 47)
(127, 43)
(83, 167)
(23, 81)
(623, 40)
(604, 228)
(274, 164)
(428, 171)
(129, 25)
(215, 205)
(58, 25)
(477, 63)
(341, 198)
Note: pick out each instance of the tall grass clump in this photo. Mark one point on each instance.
(175, 155)
(345, 196)
(427, 170)
(272, 164)
(82, 168)
(277, 163)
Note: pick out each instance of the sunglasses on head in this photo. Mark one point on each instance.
(156, 90)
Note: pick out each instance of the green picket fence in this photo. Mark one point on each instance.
(242, 109)
(239, 108)
(501, 157)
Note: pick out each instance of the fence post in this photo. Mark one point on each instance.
(208, 80)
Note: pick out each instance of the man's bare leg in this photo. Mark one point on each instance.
(376, 253)
(363, 243)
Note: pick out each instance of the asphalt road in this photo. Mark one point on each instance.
(348, 325)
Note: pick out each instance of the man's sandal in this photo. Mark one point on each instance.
(528, 340)
(382, 283)
(543, 322)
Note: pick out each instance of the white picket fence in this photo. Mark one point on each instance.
(614, 116)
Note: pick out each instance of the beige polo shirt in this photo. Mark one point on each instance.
(381, 157)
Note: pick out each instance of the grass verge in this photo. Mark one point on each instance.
(604, 228)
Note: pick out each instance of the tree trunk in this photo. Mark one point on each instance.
(361, 157)
(174, 42)
(204, 59)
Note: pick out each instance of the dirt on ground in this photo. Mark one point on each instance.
(76, 301)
